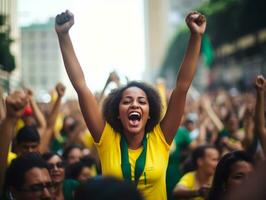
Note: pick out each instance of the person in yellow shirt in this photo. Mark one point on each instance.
(195, 184)
(11, 156)
(132, 140)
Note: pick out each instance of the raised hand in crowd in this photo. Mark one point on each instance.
(2, 105)
(205, 103)
(113, 77)
(260, 83)
(15, 104)
(260, 129)
(52, 116)
(60, 89)
(37, 114)
(248, 124)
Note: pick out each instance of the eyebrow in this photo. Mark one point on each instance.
(130, 97)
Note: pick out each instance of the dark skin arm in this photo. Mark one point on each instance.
(38, 115)
(45, 142)
(185, 193)
(171, 121)
(248, 119)
(15, 104)
(88, 104)
(260, 129)
(2, 105)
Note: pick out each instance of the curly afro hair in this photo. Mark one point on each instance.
(111, 106)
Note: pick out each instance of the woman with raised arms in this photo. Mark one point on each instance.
(132, 141)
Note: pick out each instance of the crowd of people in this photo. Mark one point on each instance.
(126, 145)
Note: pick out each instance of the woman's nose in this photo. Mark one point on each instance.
(135, 104)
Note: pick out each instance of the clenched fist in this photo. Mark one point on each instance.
(15, 103)
(196, 22)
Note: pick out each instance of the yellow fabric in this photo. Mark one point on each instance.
(87, 139)
(93, 171)
(19, 125)
(189, 181)
(11, 156)
(58, 123)
(152, 181)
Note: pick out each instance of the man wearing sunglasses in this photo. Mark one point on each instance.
(28, 178)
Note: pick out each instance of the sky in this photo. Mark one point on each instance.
(107, 35)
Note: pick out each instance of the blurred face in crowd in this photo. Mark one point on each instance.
(27, 147)
(74, 155)
(85, 174)
(190, 125)
(134, 110)
(240, 171)
(209, 161)
(233, 122)
(56, 169)
(37, 186)
(69, 124)
(28, 120)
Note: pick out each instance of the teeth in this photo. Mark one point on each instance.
(134, 116)
(134, 113)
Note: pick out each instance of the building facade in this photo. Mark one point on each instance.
(42, 65)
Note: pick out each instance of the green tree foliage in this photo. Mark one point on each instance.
(227, 20)
(7, 60)
(231, 19)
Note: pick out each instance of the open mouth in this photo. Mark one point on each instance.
(134, 116)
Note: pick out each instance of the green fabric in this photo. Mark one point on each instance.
(207, 51)
(173, 173)
(224, 133)
(57, 144)
(69, 187)
(140, 162)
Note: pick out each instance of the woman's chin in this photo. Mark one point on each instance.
(57, 179)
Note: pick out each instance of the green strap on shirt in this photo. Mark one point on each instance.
(140, 162)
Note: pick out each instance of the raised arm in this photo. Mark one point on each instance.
(206, 105)
(45, 141)
(113, 77)
(197, 24)
(37, 113)
(248, 122)
(2, 105)
(60, 90)
(260, 129)
(15, 104)
(87, 101)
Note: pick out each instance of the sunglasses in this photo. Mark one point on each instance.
(39, 187)
(55, 165)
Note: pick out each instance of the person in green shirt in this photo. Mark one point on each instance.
(173, 173)
(182, 145)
